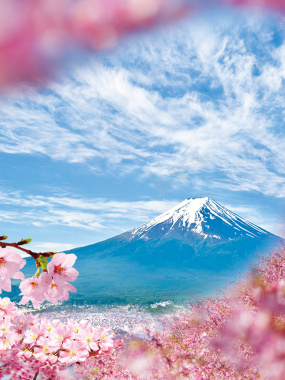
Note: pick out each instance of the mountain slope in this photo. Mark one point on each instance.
(192, 249)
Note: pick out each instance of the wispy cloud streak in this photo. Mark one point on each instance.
(197, 96)
(95, 214)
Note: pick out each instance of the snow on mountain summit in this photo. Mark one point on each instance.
(199, 217)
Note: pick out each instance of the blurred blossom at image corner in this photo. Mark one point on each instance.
(35, 36)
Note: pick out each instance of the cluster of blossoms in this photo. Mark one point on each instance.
(51, 285)
(29, 345)
(257, 328)
(239, 335)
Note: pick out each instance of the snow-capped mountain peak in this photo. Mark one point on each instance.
(200, 217)
(194, 248)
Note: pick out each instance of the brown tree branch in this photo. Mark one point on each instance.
(35, 255)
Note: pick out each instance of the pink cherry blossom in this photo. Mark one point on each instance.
(104, 339)
(10, 264)
(78, 327)
(34, 333)
(5, 284)
(60, 335)
(31, 287)
(32, 291)
(7, 308)
(117, 343)
(56, 292)
(8, 341)
(44, 351)
(60, 268)
(88, 337)
(29, 345)
(44, 287)
(65, 291)
(50, 326)
(50, 359)
(5, 325)
(24, 354)
(74, 352)
(44, 281)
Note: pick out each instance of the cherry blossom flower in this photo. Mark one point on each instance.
(32, 290)
(10, 262)
(31, 287)
(60, 335)
(34, 333)
(5, 325)
(74, 352)
(10, 265)
(44, 350)
(60, 268)
(104, 339)
(88, 338)
(7, 308)
(25, 354)
(50, 326)
(57, 292)
(45, 280)
(78, 327)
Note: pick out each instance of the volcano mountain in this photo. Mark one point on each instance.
(189, 251)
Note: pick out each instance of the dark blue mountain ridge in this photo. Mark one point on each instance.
(193, 249)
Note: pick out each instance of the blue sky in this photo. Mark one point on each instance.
(196, 109)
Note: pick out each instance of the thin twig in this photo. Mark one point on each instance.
(35, 255)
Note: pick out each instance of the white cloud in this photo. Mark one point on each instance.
(95, 214)
(121, 119)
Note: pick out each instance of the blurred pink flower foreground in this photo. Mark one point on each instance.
(35, 35)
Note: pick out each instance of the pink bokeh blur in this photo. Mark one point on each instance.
(35, 36)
